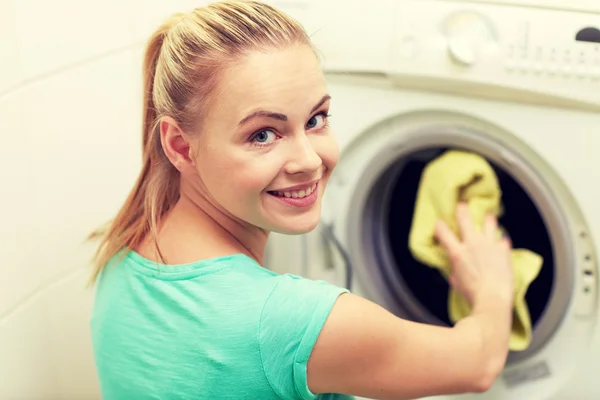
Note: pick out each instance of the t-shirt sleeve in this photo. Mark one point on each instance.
(291, 320)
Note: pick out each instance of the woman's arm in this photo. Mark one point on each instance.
(364, 350)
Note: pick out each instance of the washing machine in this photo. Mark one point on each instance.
(519, 84)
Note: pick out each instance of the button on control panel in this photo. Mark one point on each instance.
(587, 288)
(567, 58)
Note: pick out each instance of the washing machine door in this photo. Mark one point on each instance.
(370, 204)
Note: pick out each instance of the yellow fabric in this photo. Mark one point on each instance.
(462, 176)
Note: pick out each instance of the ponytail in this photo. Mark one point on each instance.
(157, 187)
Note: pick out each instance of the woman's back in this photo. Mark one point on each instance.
(221, 328)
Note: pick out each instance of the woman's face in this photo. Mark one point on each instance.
(266, 152)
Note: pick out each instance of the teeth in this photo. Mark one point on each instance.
(297, 194)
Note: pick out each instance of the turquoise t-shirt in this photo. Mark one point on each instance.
(223, 328)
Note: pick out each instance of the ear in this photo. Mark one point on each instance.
(176, 144)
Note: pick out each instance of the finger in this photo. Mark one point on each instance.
(447, 238)
(465, 223)
(507, 243)
(490, 226)
(452, 280)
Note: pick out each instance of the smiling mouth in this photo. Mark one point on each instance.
(295, 194)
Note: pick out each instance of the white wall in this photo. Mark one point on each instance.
(70, 114)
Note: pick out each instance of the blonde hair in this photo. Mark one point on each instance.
(183, 61)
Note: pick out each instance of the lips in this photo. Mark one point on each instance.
(303, 186)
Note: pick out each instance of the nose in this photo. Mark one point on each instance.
(303, 157)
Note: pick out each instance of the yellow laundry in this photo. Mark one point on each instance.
(463, 176)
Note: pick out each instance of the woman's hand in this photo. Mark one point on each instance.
(481, 263)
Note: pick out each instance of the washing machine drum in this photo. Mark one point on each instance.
(380, 223)
(425, 287)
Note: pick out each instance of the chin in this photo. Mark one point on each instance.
(298, 225)
(293, 232)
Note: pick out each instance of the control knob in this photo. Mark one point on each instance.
(466, 33)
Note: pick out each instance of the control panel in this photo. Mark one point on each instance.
(548, 52)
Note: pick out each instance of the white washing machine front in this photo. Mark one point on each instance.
(549, 206)
(414, 78)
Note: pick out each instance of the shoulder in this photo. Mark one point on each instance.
(290, 323)
(299, 302)
(296, 310)
(289, 288)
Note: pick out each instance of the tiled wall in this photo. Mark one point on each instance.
(70, 115)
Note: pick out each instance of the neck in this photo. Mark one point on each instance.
(205, 218)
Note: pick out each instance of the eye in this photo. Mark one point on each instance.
(317, 121)
(264, 137)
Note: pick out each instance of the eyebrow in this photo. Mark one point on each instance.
(278, 116)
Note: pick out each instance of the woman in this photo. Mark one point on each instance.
(237, 144)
